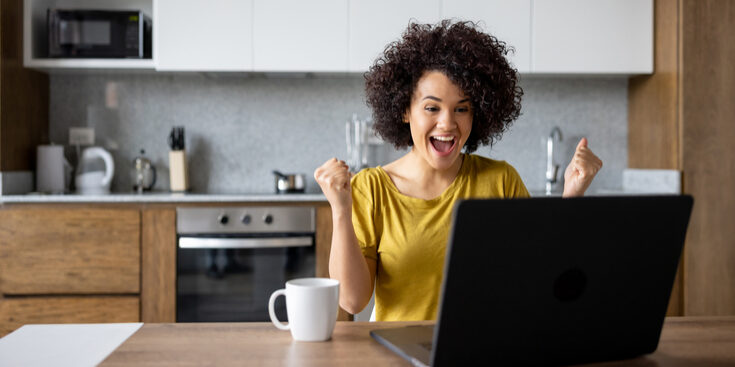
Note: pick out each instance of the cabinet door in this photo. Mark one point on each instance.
(375, 23)
(69, 251)
(18, 311)
(509, 21)
(297, 35)
(592, 36)
(194, 35)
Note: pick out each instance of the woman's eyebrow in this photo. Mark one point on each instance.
(439, 99)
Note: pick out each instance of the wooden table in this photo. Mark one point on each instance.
(685, 341)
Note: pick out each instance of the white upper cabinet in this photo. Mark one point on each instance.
(298, 35)
(592, 36)
(195, 35)
(509, 21)
(549, 36)
(375, 23)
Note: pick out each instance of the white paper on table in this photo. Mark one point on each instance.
(63, 344)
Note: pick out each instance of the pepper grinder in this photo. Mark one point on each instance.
(177, 160)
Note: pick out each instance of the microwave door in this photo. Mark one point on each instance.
(84, 33)
(98, 34)
(69, 33)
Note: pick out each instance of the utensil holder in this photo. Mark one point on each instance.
(179, 176)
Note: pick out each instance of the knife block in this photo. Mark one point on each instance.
(178, 173)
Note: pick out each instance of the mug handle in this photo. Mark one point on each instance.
(272, 312)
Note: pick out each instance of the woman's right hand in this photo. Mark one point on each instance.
(334, 178)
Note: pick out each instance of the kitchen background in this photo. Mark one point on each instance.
(241, 127)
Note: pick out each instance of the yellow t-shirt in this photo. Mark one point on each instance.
(408, 236)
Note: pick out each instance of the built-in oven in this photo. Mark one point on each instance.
(230, 259)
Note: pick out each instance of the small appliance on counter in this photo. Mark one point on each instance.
(144, 173)
(77, 33)
(89, 180)
(290, 183)
(53, 171)
(177, 160)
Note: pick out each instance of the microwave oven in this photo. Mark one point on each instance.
(98, 34)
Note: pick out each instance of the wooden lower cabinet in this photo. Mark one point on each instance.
(63, 264)
(68, 263)
(683, 117)
(17, 311)
(158, 291)
(69, 251)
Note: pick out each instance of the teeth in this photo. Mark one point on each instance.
(443, 138)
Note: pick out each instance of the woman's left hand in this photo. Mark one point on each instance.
(581, 170)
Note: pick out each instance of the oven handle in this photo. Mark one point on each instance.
(215, 243)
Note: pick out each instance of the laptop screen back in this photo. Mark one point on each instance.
(558, 281)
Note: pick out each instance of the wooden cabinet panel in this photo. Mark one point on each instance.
(69, 251)
(17, 311)
(158, 291)
(682, 117)
(653, 118)
(708, 132)
(24, 96)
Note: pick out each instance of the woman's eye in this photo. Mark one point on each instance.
(462, 109)
(431, 108)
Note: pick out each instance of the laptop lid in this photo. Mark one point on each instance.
(558, 281)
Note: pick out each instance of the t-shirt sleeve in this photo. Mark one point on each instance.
(363, 219)
(514, 187)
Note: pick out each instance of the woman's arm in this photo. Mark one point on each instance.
(355, 273)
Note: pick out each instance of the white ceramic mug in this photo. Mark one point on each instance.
(311, 305)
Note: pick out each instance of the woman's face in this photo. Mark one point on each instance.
(441, 120)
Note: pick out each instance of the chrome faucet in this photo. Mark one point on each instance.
(551, 168)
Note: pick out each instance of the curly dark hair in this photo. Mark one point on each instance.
(470, 58)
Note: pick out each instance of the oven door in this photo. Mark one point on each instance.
(231, 278)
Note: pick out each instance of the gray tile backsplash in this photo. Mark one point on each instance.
(240, 128)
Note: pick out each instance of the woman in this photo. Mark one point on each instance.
(438, 90)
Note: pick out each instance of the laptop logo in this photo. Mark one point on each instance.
(570, 285)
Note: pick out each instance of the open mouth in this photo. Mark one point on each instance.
(443, 144)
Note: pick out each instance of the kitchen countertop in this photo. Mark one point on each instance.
(685, 341)
(168, 197)
(162, 197)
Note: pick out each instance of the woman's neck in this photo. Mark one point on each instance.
(413, 176)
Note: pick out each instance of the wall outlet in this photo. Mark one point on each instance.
(81, 136)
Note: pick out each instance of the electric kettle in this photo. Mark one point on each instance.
(89, 180)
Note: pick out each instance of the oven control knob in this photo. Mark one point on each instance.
(268, 219)
(223, 219)
(246, 219)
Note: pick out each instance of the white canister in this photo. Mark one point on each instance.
(51, 167)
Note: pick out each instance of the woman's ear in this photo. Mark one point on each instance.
(406, 120)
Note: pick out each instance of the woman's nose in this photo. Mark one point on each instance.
(447, 120)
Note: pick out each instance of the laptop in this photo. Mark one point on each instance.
(551, 281)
